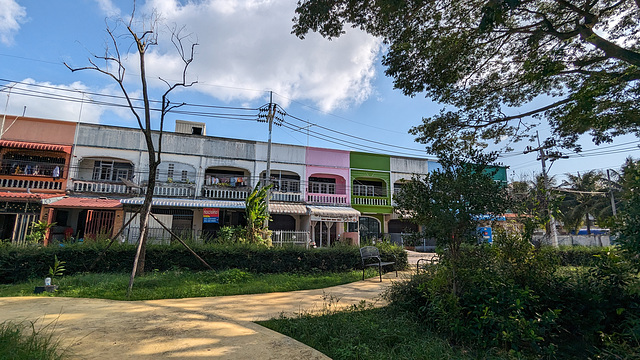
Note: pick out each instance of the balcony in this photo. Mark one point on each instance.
(225, 192)
(286, 196)
(29, 182)
(370, 200)
(327, 199)
(172, 190)
(102, 187)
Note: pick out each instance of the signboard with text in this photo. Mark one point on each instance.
(211, 216)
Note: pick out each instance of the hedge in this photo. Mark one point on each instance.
(21, 264)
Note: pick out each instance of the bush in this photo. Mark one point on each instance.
(20, 264)
(516, 298)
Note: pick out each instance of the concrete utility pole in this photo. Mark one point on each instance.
(543, 156)
(270, 115)
(613, 202)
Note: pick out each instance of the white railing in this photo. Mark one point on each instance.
(173, 190)
(571, 240)
(370, 201)
(100, 187)
(330, 199)
(289, 237)
(224, 193)
(286, 196)
(30, 184)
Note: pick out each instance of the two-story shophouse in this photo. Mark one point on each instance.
(202, 183)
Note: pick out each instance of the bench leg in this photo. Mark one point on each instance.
(363, 267)
(380, 272)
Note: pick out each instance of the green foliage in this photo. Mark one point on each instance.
(629, 238)
(39, 231)
(449, 202)
(231, 235)
(517, 298)
(58, 267)
(20, 264)
(258, 215)
(502, 55)
(581, 201)
(27, 342)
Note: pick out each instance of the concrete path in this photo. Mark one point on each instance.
(194, 328)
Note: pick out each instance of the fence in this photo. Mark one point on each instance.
(159, 236)
(282, 237)
(571, 240)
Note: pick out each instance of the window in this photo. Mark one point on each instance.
(184, 177)
(322, 185)
(369, 188)
(196, 130)
(111, 171)
(170, 171)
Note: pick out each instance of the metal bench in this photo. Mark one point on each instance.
(371, 257)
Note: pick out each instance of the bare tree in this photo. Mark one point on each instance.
(114, 67)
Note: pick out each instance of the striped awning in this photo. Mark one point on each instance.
(34, 146)
(292, 209)
(333, 213)
(222, 204)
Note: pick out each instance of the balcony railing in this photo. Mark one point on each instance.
(101, 187)
(172, 190)
(8, 182)
(286, 196)
(327, 199)
(225, 193)
(370, 200)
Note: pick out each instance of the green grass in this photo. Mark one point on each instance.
(178, 284)
(27, 342)
(367, 333)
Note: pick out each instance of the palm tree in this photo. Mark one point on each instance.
(581, 198)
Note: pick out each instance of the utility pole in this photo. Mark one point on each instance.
(270, 116)
(613, 202)
(543, 156)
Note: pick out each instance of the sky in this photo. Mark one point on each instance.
(333, 94)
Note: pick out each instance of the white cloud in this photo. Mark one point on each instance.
(11, 16)
(246, 47)
(60, 102)
(108, 8)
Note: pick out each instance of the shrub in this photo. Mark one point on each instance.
(517, 298)
(20, 264)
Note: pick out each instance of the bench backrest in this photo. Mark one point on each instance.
(369, 252)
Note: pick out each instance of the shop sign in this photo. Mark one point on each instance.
(211, 216)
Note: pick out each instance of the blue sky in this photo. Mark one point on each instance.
(335, 89)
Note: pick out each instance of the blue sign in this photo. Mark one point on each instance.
(485, 234)
(210, 220)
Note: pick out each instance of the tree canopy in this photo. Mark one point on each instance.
(450, 202)
(491, 58)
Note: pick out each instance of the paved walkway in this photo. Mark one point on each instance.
(194, 328)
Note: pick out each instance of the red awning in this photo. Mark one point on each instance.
(34, 146)
(86, 203)
(9, 196)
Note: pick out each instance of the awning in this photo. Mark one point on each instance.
(292, 209)
(86, 203)
(24, 196)
(333, 213)
(34, 146)
(223, 204)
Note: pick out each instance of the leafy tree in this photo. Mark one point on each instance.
(257, 215)
(141, 36)
(581, 198)
(449, 202)
(488, 57)
(630, 210)
(534, 204)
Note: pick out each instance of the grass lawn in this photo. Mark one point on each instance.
(182, 284)
(367, 333)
